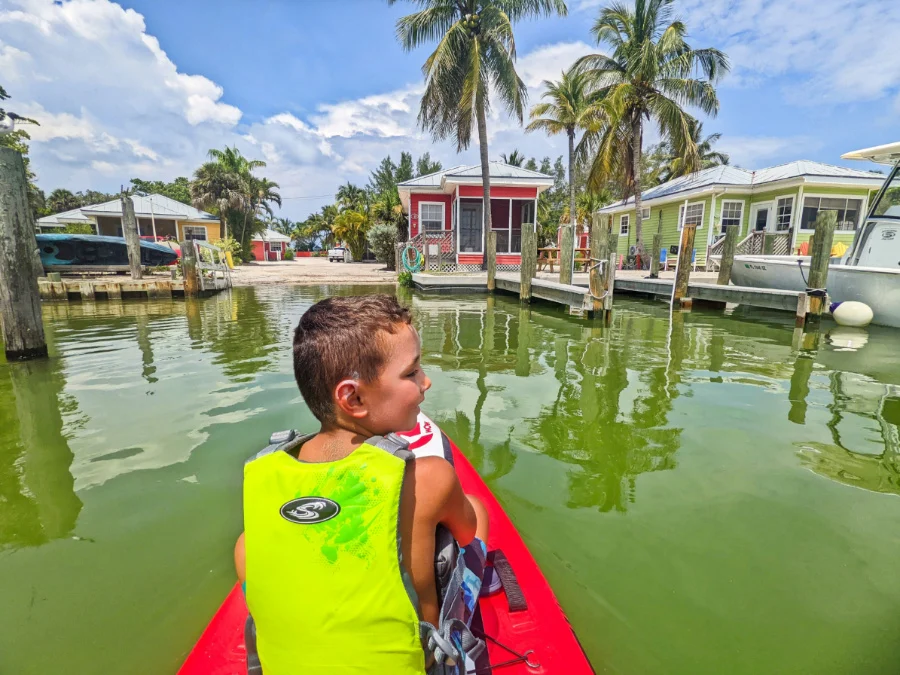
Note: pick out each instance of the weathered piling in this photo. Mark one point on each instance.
(492, 261)
(189, 268)
(132, 237)
(727, 261)
(567, 253)
(602, 271)
(683, 272)
(657, 249)
(20, 300)
(529, 261)
(818, 265)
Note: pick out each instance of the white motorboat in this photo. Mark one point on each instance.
(870, 270)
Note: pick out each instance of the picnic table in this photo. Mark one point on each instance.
(548, 256)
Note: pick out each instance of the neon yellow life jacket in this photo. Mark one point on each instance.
(324, 581)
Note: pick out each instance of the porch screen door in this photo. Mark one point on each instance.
(470, 228)
(759, 217)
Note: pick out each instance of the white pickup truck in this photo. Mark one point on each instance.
(339, 253)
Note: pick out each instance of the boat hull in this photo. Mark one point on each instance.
(879, 288)
(541, 628)
(90, 249)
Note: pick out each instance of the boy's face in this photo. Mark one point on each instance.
(393, 399)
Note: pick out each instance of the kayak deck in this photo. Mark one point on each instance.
(541, 629)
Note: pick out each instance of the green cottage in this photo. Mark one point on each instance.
(782, 200)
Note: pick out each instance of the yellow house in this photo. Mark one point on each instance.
(783, 199)
(158, 216)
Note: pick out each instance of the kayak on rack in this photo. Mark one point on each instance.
(524, 627)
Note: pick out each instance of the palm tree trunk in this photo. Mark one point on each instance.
(636, 133)
(485, 178)
(567, 254)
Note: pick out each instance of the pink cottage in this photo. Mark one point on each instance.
(447, 207)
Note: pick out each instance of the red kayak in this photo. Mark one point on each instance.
(523, 638)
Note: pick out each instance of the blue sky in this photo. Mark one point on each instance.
(321, 90)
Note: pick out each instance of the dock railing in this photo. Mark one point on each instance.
(212, 267)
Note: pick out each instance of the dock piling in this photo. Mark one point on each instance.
(132, 236)
(492, 261)
(683, 273)
(727, 261)
(189, 268)
(529, 261)
(818, 265)
(20, 300)
(567, 252)
(657, 249)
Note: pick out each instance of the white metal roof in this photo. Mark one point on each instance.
(159, 205)
(725, 176)
(60, 219)
(498, 171)
(880, 154)
(271, 235)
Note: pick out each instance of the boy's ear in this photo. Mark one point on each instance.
(348, 399)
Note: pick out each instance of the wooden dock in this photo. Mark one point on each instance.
(117, 288)
(578, 297)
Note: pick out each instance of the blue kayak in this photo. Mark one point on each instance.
(94, 249)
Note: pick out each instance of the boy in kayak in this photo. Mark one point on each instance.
(339, 546)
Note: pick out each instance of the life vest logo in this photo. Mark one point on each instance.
(309, 510)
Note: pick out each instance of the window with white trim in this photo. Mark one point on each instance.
(275, 246)
(623, 224)
(431, 216)
(194, 233)
(693, 215)
(645, 213)
(784, 209)
(848, 211)
(732, 214)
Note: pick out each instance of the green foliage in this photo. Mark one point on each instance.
(288, 253)
(425, 166)
(351, 227)
(383, 242)
(179, 189)
(227, 186)
(405, 279)
(229, 244)
(75, 228)
(515, 158)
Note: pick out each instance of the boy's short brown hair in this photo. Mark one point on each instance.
(338, 338)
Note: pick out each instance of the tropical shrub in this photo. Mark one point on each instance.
(350, 227)
(405, 279)
(383, 241)
(76, 228)
(288, 254)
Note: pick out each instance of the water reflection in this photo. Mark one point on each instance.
(37, 497)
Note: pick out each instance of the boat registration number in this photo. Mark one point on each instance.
(751, 266)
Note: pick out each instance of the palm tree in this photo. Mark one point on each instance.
(565, 110)
(353, 198)
(515, 158)
(649, 75)
(214, 186)
(475, 55)
(679, 163)
(282, 225)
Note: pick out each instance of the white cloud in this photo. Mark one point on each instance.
(124, 109)
(755, 152)
(833, 50)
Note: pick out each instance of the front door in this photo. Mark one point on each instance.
(761, 216)
(470, 224)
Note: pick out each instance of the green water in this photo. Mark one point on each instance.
(703, 497)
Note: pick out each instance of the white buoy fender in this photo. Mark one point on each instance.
(851, 313)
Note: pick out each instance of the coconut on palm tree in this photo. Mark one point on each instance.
(649, 75)
(565, 110)
(475, 56)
